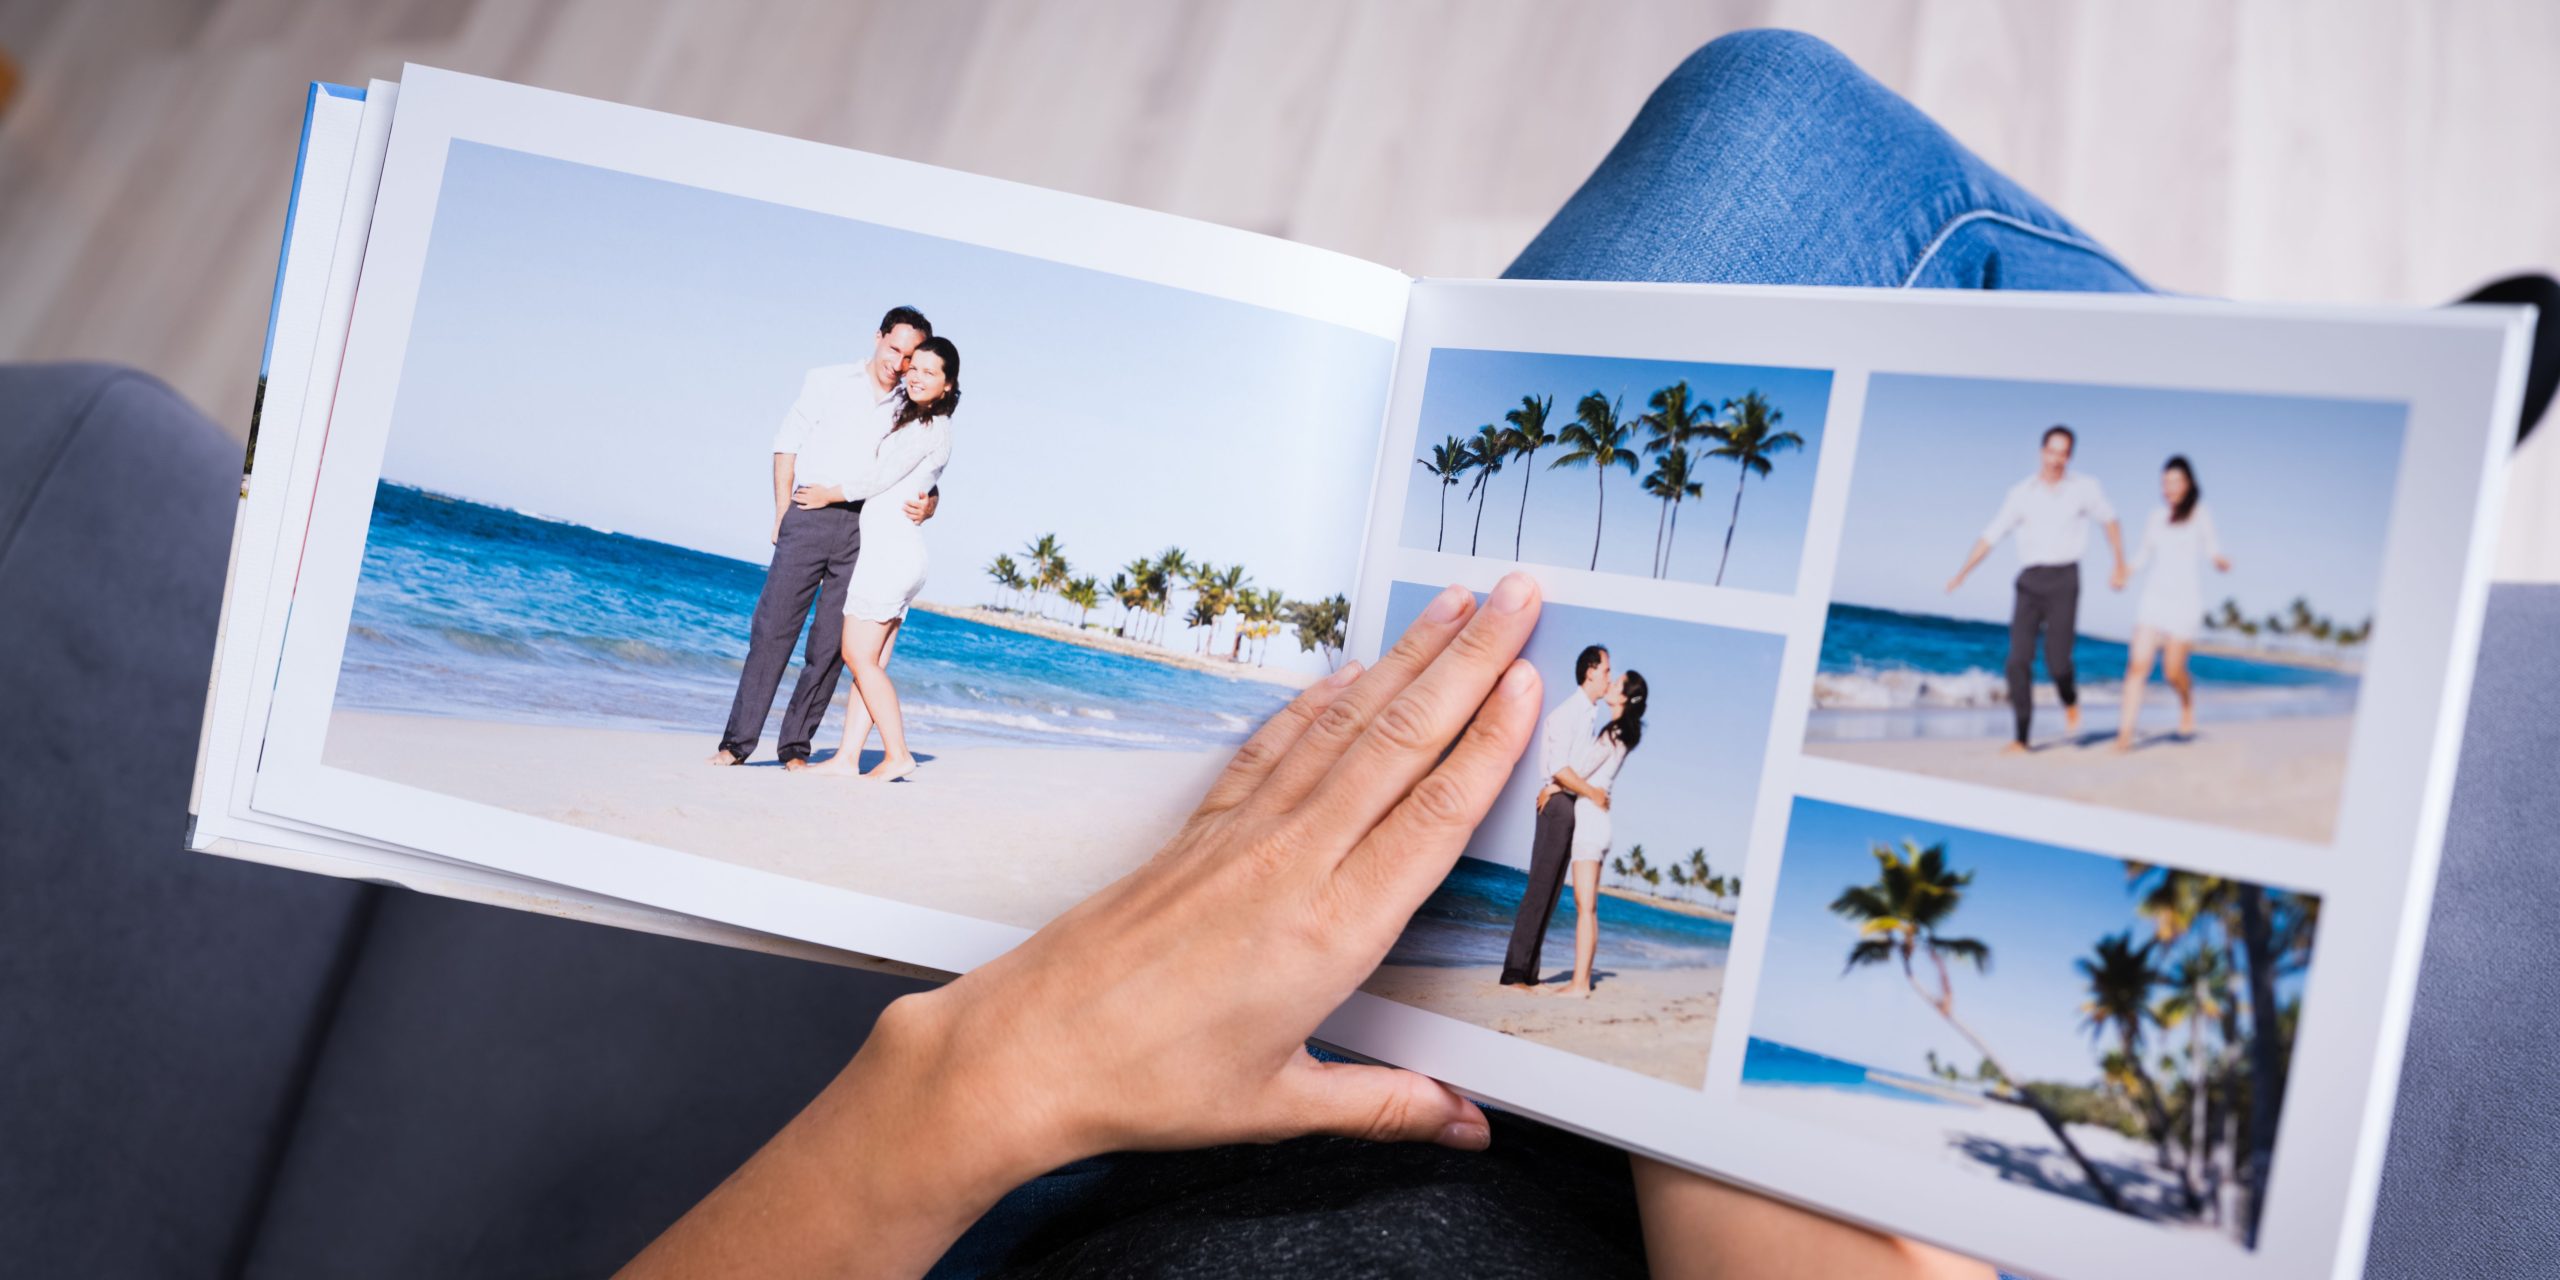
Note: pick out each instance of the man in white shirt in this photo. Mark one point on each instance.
(1568, 727)
(838, 421)
(2050, 513)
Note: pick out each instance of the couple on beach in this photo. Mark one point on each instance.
(2049, 512)
(856, 466)
(1581, 747)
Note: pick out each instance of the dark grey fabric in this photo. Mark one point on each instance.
(2047, 600)
(1550, 855)
(2472, 1185)
(506, 1094)
(813, 554)
(157, 1008)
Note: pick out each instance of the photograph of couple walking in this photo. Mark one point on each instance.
(2155, 600)
(712, 542)
(1632, 445)
(1593, 911)
(2034, 1017)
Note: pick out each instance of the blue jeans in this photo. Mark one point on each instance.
(1766, 158)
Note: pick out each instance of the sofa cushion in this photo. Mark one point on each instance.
(157, 1007)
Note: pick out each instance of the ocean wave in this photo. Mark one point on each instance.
(1974, 689)
(1030, 723)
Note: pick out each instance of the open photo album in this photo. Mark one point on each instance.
(1996, 746)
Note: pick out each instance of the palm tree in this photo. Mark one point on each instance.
(1528, 435)
(1699, 869)
(1449, 460)
(2199, 987)
(2121, 976)
(1899, 918)
(1007, 574)
(1232, 589)
(1598, 439)
(1131, 595)
(1320, 625)
(1485, 452)
(1750, 434)
(1084, 594)
(1045, 565)
(1671, 424)
(1177, 568)
(1670, 482)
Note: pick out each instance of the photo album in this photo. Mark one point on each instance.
(1995, 751)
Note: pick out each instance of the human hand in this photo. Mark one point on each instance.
(2222, 564)
(1545, 794)
(1954, 582)
(2116, 579)
(920, 508)
(1601, 800)
(1170, 1009)
(775, 538)
(810, 497)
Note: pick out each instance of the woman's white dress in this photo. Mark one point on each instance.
(2173, 559)
(889, 569)
(1597, 762)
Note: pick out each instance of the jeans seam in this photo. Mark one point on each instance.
(2014, 223)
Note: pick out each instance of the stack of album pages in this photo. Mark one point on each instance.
(1997, 746)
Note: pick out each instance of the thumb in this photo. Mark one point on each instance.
(1380, 1104)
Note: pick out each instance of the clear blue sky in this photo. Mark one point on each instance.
(616, 351)
(2039, 908)
(2300, 489)
(1465, 389)
(1694, 778)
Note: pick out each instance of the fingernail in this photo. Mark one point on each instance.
(1515, 682)
(1511, 595)
(1466, 1136)
(1350, 671)
(1446, 605)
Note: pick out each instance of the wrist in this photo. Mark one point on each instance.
(964, 1127)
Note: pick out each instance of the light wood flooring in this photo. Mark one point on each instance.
(2317, 150)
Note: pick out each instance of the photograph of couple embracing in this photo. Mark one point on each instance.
(857, 466)
(1593, 911)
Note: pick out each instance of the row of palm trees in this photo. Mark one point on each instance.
(1223, 601)
(1681, 434)
(2298, 621)
(2204, 978)
(1694, 878)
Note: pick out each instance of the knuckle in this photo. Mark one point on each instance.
(1339, 720)
(1390, 1117)
(1440, 800)
(1406, 725)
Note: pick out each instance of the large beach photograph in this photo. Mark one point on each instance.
(2041, 1020)
(2152, 600)
(1592, 462)
(1593, 910)
(836, 550)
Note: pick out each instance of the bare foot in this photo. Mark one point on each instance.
(2071, 720)
(2124, 743)
(890, 769)
(838, 765)
(795, 764)
(2186, 724)
(722, 758)
(2014, 749)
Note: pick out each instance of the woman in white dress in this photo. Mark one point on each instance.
(890, 568)
(1591, 777)
(2177, 543)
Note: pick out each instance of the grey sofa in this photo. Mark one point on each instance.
(210, 1067)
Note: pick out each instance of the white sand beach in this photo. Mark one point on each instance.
(1656, 1021)
(1993, 1141)
(1011, 834)
(2283, 777)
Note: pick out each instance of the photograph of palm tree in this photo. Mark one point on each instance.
(2111, 1031)
(1633, 445)
(2151, 599)
(1662, 857)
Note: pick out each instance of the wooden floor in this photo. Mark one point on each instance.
(2316, 150)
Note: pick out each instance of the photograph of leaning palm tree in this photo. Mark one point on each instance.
(1653, 468)
(2115, 1032)
(2146, 598)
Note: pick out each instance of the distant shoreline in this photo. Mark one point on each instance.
(1028, 624)
(1672, 905)
(2337, 662)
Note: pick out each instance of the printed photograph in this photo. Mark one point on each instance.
(837, 550)
(1591, 462)
(1593, 910)
(2151, 600)
(2032, 1017)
